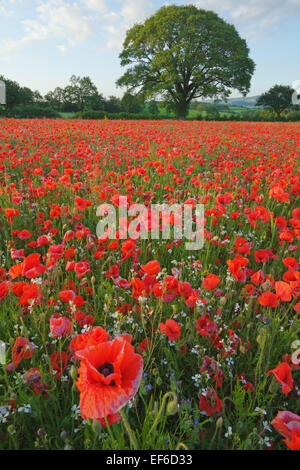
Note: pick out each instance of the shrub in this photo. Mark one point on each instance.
(31, 111)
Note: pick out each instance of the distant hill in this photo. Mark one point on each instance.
(246, 101)
(243, 101)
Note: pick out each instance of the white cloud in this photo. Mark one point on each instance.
(99, 6)
(54, 19)
(252, 16)
(117, 23)
(6, 7)
(70, 22)
(255, 14)
(134, 11)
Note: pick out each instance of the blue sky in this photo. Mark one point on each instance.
(44, 42)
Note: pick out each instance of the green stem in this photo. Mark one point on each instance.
(129, 431)
(166, 395)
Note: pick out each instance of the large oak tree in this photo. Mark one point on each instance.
(182, 53)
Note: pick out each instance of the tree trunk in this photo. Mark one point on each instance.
(182, 109)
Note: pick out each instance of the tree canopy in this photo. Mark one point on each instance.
(16, 95)
(182, 53)
(278, 98)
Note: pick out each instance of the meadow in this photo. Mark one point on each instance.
(141, 344)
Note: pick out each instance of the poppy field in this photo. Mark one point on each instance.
(122, 343)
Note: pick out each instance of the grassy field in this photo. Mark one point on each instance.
(192, 112)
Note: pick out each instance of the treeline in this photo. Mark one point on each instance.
(259, 115)
(78, 97)
(222, 112)
(81, 99)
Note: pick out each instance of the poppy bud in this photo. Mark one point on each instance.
(68, 447)
(172, 407)
(11, 429)
(262, 336)
(96, 426)
(73, 373)
(219, 423)
(223, 300)
(105, 308)
(274, 386)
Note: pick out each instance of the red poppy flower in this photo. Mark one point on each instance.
(59, 361)
(21, 349)
(81, 203)
(4, 289)
(153, 267)
(268, 299)
(283, 375)
(32, 377)
(277, 192)
(294, 443)
(10, 214)
(32, 267)
(24, 234)
(82, 268)
(171, 328)
(210, 282)
(127, 248)
(30, 292)
(89, 338)
(210, 402)
(109, 376)
(285, 422)
(66, 295)
(284, 291)
(210, 365)
(60, 326)
(144, 344)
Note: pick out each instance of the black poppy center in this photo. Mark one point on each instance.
(106, 369)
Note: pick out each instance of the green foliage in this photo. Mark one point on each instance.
(55, 98)
(278, 98)
(17, 95)
(153, 107)
(90, 114)
(182, 53)
(82, 94)
(29, 111)
(113, 105)
(293, 116)
(131, 103)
